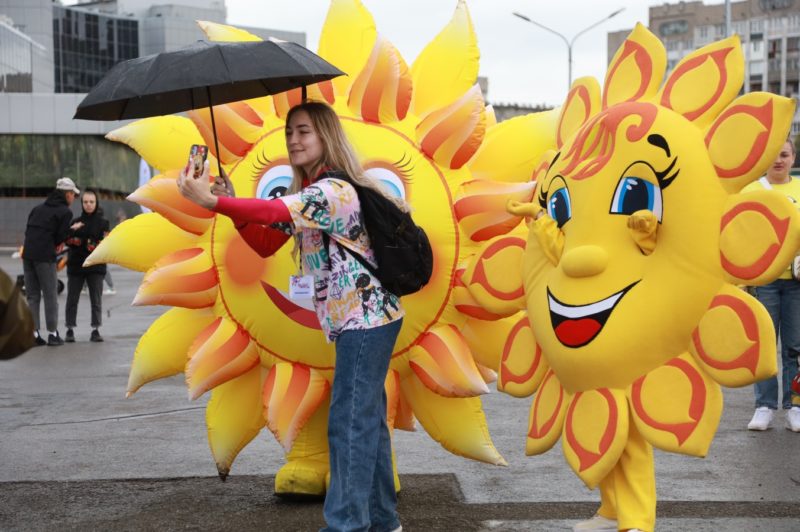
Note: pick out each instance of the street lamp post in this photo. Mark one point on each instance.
(569, 43)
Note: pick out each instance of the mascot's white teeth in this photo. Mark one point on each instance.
(575, 312)
(577, 325)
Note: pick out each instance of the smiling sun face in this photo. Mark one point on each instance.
(387, 155)
(642, 235)
(426, 134)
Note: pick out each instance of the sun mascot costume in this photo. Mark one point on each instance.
(639, 239)
(426, 133)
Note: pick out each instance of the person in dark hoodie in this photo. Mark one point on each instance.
(48, 226)
(86, 233)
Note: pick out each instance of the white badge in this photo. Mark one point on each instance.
(301, 286)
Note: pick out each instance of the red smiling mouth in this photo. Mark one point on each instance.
(577, 325)
(298, 314)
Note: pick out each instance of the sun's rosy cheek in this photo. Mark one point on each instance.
(243, 265)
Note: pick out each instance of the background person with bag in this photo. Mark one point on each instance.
(361, 495)
(86, 233)
(782, 300)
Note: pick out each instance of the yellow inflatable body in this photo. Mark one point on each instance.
(426, 133)
(639, 238)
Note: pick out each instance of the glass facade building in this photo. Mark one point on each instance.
(19, 57)
(87, 44)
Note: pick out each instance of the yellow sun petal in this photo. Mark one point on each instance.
(483, 336)
(636, 70)
(163, 349)
(221, 32)
(458, 424)
(521, 373)
(546, 417)
(443, 362)
(494, 276)
(687, 422)
(595, 433)
(162, 141)
(480, 207)
(448, 66)
(346, 40)
(519, 142)
(237, 127)
(186, 278)
(735, 339)
(221, 352)
(292, 393)
(382, 91)
(234, 418)
(161, 195)
(131, 243)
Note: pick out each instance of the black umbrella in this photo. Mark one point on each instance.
(202, 75)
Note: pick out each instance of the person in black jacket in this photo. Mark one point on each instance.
(48, 226)
(87, 231)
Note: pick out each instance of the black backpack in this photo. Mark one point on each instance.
(401, 248)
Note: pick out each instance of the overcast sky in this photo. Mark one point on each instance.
(524, 64)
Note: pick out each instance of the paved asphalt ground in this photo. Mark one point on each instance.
(76, 455)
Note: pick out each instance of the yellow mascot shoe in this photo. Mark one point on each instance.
(303, 478)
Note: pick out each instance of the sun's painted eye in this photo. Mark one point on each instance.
(636, 194)
(275, 182)
(559, 206)
(390, 180)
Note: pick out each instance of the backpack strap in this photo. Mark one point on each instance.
(326, 240)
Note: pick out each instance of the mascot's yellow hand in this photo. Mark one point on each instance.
(644, 226)
(518, 208)
(549, 235)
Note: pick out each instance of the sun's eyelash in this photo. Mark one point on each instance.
(261, 164)
(404, 167)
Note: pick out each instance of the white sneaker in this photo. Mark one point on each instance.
(596, 523)
(793, 419)
(761, 418)
(109, 292)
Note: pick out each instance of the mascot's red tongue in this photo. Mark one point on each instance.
(574, 333)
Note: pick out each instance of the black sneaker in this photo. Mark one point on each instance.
(54, 339)
(70, 336)
(95, 337)
(39, 340)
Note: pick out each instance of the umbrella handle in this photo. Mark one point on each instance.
(214, 130)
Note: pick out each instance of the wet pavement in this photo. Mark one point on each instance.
(76, 455)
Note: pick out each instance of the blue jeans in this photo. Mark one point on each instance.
(782, 300)
(361, 495)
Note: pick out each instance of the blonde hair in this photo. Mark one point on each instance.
(337, 152)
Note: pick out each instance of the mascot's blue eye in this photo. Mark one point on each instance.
(389, 179)
(275, 182)
(559, 207)
(635, 194)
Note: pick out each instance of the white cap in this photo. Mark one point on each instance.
(66, 183)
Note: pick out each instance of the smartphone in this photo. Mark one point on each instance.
(197, 157)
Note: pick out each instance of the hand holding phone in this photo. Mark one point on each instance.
(222, 186)
(197, 157)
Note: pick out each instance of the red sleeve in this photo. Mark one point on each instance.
(253, 210)
(264, 240)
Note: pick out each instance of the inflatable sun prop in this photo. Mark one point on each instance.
(426, 133)
(640, 236)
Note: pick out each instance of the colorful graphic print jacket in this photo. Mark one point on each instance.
(346, 295)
